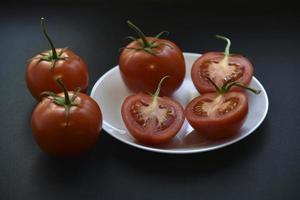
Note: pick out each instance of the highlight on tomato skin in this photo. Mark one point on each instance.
(146, 60)
(217, 116)
(221, 67)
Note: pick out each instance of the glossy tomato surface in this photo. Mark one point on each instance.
(61, 135)
(239, 69)
(217, 116)
(39, 74)
(152, 122)
(142, 71)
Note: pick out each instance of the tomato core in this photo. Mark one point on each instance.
(152, 115)
(221, 71)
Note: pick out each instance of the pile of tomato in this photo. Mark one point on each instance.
(68, 122)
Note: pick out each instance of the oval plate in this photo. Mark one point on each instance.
(110, 92)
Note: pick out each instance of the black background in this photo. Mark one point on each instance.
(263, 166)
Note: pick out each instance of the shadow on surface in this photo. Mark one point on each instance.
(191, 164)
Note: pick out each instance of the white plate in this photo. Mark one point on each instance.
(110, 91)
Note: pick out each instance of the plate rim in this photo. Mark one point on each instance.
(106, 125)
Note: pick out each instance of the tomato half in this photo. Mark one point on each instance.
(209, 65)
(217, 116)
(152, 121)
(39, 74)
(59, 134)
(145, 61)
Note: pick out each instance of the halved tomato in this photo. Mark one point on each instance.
(220, 114)
(152, 119)
(220, 67)
(217, 116)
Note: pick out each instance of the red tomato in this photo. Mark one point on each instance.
(57, 62)
(145, 61)
(220, 67)
(66, 129)
(39, 74)
(220, 114)
(217, 116)
(152, 121)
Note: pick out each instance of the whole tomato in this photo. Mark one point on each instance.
(151, 119)
(66, 124)
(57, 62)
(220, 67)
(220, 114)
(145, 61)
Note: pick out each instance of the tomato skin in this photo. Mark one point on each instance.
(218, 127)
(57, 138)
(150, 136)
(39, 75)
(142, 71)
(203, 86)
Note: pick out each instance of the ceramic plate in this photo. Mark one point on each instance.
(110, 91)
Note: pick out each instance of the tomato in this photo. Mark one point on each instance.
(57, 62)
(152, 119)
(220, 67)
(145, 61)
(66, 128)
(217, 116)
(220, 114)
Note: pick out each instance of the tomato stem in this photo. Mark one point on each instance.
(140, 34)
(227, 85)
(159, 86)
(63, 87)
(226, 52)
(214, 84)
(54, 53)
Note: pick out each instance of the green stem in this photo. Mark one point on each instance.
(226, 52)
(63, 87)
(54, 53)
(139, 32)
(214, 84)
(227, 88)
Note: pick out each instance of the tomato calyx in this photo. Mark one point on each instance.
(144, 44)
(66, 101)
(230, 83)
(51, 56)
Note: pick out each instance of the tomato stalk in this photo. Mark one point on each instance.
(226, 87)
(224, 62)
(63, 87)
(54, 53)
(65, 101)
(153, 108)
(145, 44)
(140, 34)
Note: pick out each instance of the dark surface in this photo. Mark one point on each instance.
(263, 166)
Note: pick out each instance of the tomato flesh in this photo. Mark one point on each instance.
(152, 121)
(217, 116)
(219, 70)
